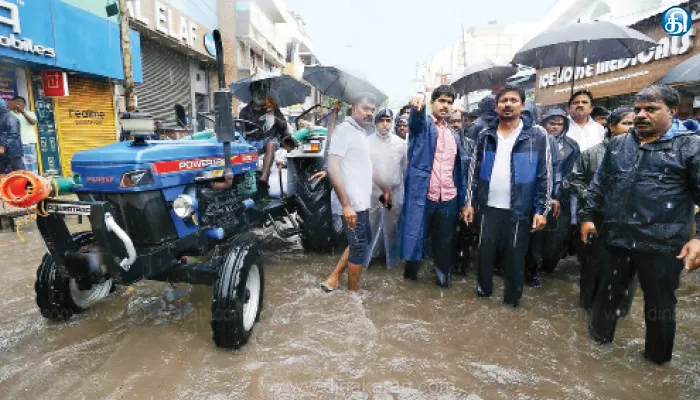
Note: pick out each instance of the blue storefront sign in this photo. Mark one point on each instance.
(58, 35)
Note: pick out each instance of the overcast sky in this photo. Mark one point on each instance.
(386, 38)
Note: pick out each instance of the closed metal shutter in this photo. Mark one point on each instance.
(166, 81)
(85, 119)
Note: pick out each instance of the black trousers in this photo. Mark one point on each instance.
(441, 222)
(468, 238)
(659, 277)
(533, 257)
(556, 238)
(501, 234)
(591, 259)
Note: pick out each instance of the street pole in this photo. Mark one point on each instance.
(125, 39)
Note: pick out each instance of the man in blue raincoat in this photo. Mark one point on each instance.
(435, 186)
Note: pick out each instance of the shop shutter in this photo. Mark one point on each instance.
(166, 82)
(85, 119)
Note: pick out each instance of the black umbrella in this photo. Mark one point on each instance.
(284, 89)
(336, 83)
(580, 43)
(482, 75)
(687, 71)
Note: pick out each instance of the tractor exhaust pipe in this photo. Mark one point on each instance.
(222, 107)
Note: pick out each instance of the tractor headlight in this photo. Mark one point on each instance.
(136, 178)
(183, 206)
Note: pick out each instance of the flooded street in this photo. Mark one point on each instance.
(393, 340)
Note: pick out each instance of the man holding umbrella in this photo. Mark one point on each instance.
(263, 111)
(435, 186)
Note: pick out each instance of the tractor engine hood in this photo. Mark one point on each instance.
(123, 167)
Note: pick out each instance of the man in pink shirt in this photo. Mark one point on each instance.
(435, 187)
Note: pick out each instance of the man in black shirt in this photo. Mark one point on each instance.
(264, 112)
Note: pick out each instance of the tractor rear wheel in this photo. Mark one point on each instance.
(320, 232)
(58, 295)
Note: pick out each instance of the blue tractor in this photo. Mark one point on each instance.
(151, 204)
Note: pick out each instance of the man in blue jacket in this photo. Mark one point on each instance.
(510, 178)
(646, 190)
(435, 186)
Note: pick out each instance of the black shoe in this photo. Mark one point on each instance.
(410, 271)
(513, 304)
(657, 362)
(481, 294)
(533, 280)
(595, 336)
(443, 284)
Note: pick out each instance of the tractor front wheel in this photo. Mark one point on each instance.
(238, 296)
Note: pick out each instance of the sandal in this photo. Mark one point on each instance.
(327, 288)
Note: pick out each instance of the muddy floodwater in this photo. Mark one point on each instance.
(392, 340)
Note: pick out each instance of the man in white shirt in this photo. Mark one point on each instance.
(583, 129)
(509, 184)
(350, 172)
(27, 121)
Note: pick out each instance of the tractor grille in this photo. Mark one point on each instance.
(144, 216)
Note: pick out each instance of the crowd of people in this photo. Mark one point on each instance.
(503, 190)
(518, 192)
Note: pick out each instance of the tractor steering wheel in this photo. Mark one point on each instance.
(240, 123)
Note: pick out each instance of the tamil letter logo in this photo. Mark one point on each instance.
(676, 21)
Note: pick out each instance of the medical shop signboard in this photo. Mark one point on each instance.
(621, 76)
(26, 31)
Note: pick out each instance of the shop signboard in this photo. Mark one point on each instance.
(8, 82)
(617, 77)
(43, 32)
(170, 22)
(55, 83)
(26, 31)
